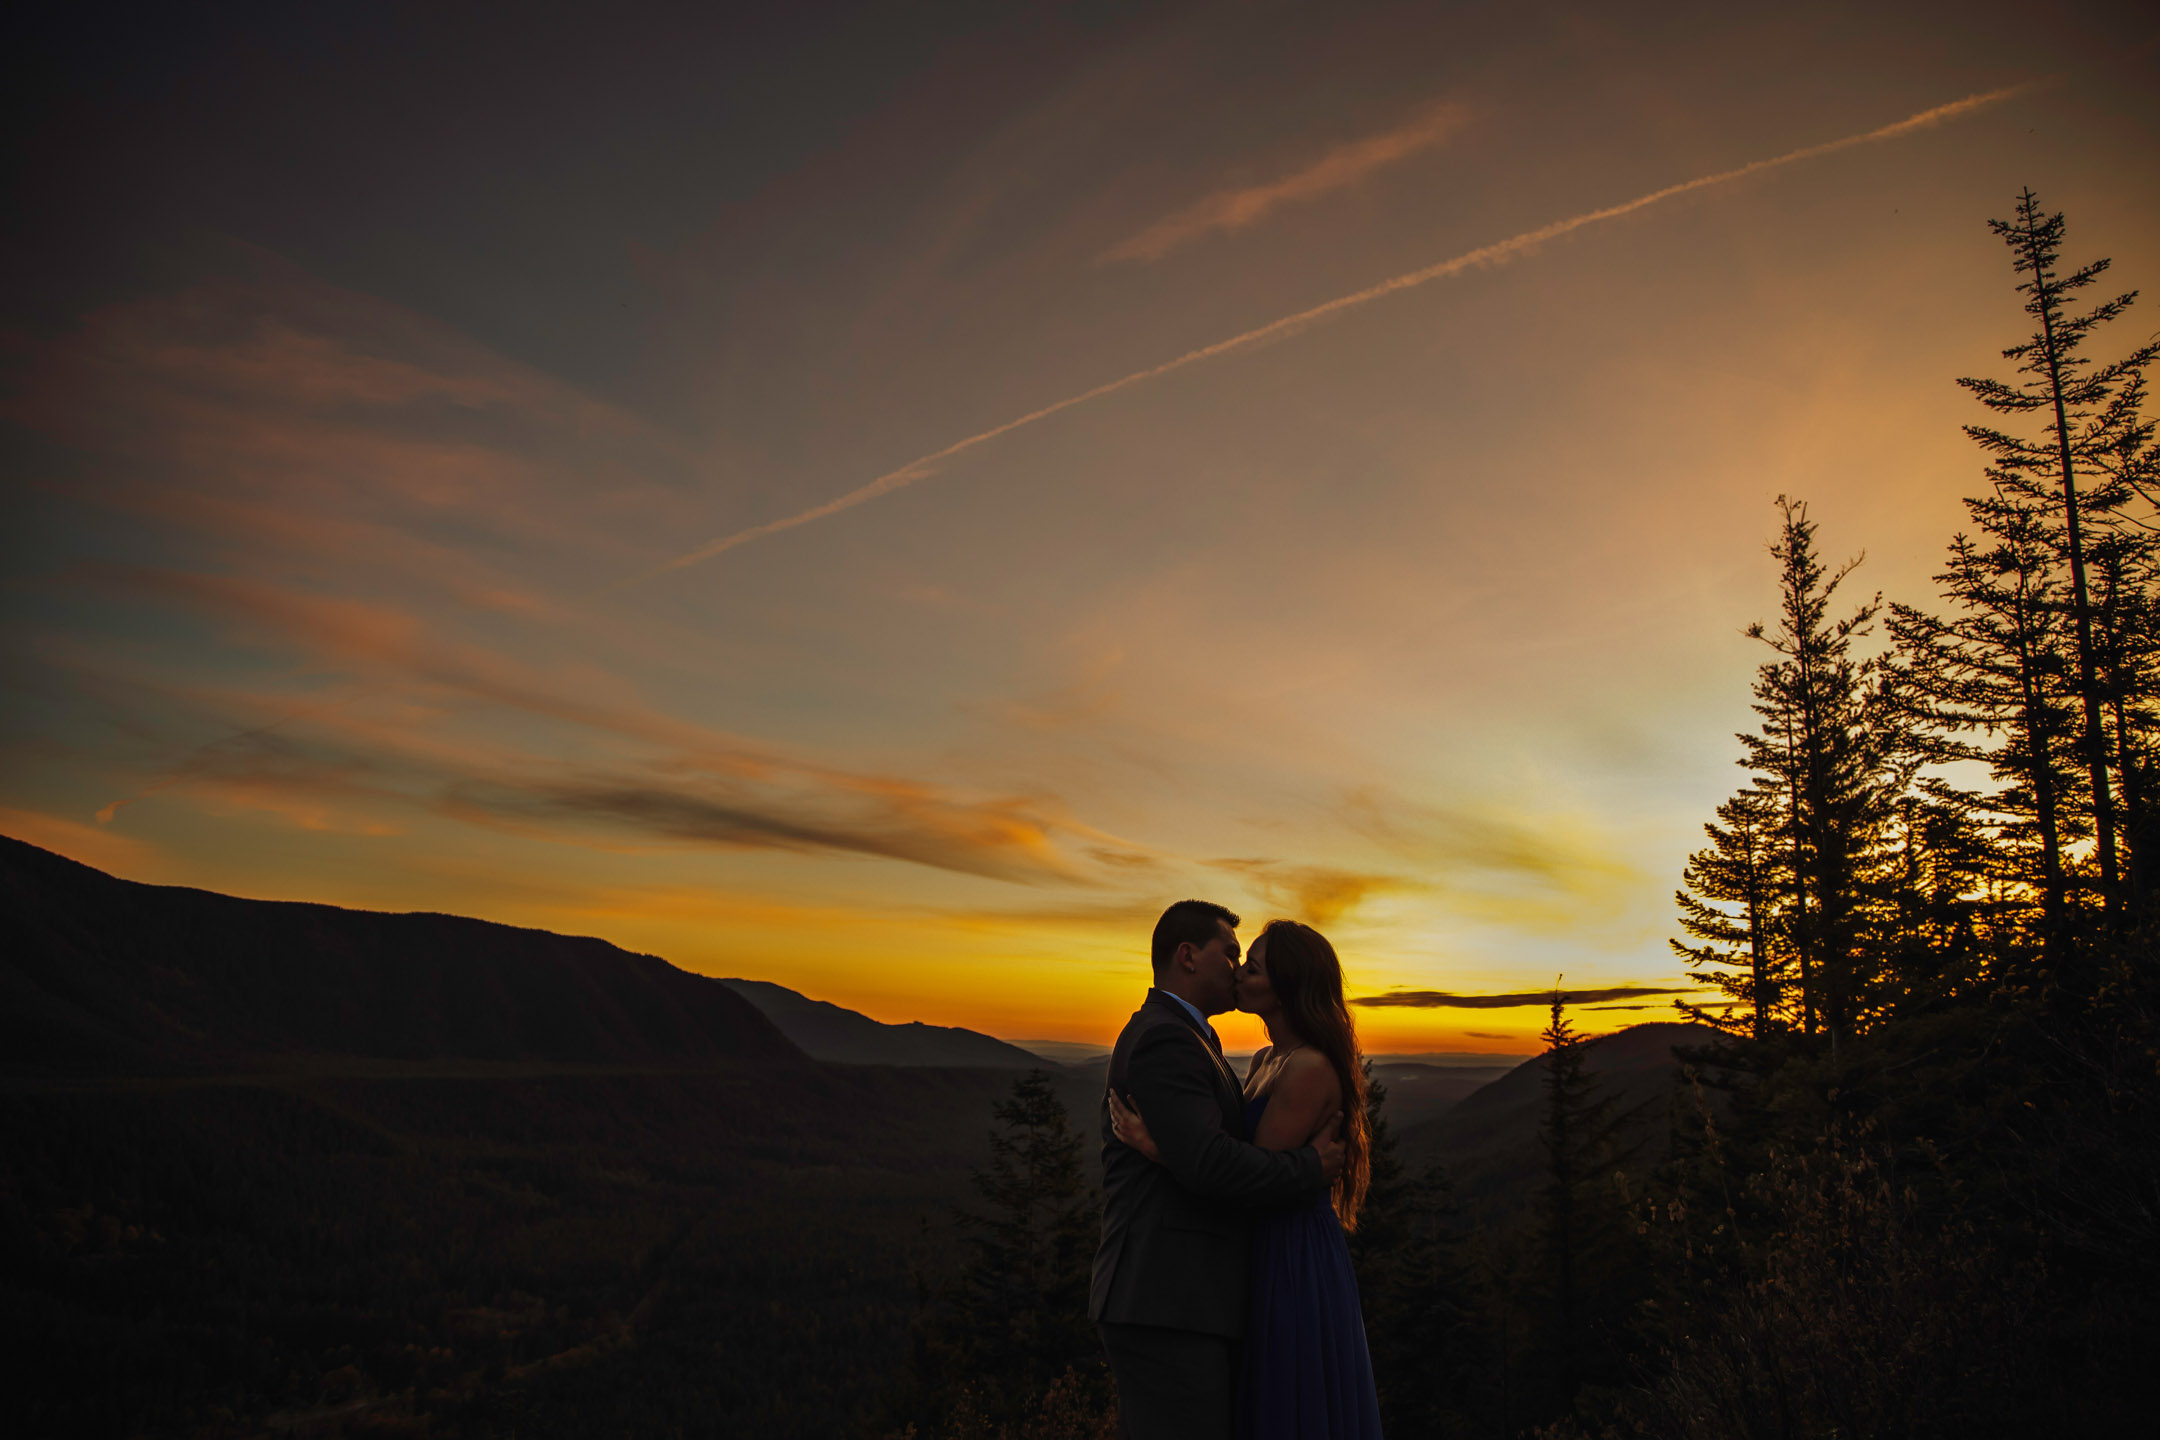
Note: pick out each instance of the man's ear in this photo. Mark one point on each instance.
(1183, 959)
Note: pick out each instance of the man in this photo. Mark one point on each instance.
(1170, 1275)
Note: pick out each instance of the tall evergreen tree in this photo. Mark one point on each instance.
(2084, 464)
(1730, 908)
(1015, 1318)
(1821, 752)
(1579, 1208)
(1930, 902)
(1987, 683)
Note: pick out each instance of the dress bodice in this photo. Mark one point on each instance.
(1253, 1109)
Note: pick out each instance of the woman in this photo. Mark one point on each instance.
(1306, 1373)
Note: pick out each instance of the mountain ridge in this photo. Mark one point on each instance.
(97, 972)
(838, 1035)
(1488, 1139)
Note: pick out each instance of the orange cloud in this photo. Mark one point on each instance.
(1447, 999)
(1316, 894)
(679, 782)
(289, 420)
(1339, 168)
(283, 341)
(995, 839)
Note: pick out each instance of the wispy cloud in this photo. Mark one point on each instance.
(1127, 917)
(204, 764)
(1087, 699)
(653, 778)
(1520, 869)
(999, 840)
(1499, 252)
(1444, 999)
(299, 426)
(1316, 894)
(1339, 168)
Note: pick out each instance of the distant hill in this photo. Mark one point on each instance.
(1417, 1092)
(831, 1032)
(98, 972)
(1487, 1060)
(1488, 1139)
(1066, 1052)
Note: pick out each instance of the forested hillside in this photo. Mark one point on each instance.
(539, 1254)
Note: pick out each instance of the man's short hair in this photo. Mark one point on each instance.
(1187, 922)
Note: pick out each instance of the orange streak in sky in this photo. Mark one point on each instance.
(1493, 254)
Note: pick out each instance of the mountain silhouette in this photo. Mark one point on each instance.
(826, 1031)
(1416, 1092)
(99, 973)
(1489, 1138)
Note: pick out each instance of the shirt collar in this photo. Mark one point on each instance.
(1190, 1009)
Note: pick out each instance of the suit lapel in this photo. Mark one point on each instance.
(1232, 1097)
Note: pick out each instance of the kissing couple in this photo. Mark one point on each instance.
(1222, 1287)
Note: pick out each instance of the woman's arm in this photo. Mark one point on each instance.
(1172, 1081)
(1305, 1095)
(1130, 1129)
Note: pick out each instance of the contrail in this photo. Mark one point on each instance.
(1497, 253)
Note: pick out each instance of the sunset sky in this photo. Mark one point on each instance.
(402, 406)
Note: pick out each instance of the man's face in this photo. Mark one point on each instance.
(1215, 970)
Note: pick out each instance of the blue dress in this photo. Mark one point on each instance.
(1306, 1372)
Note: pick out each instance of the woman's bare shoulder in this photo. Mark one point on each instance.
(1307, 1072)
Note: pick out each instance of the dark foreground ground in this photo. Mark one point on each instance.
(473, 1250)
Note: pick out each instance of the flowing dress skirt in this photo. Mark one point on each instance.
(1306, 1373)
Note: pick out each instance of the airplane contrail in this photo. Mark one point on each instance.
(1496, 253)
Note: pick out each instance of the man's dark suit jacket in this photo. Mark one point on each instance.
(1175, 1235)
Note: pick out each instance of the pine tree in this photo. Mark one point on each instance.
(1741, 950)
(1930, 902)
(1993, 670)
(2093, 436)
(1578, 1136)
(1821, 754)
(1014, 1321)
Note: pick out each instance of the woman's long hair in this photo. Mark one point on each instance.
(1307, 980)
